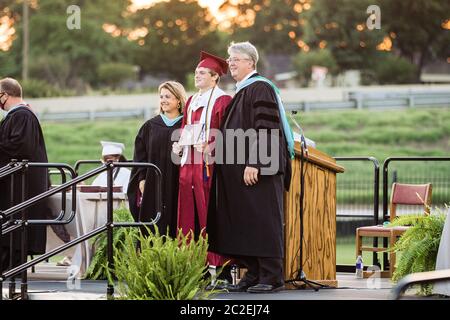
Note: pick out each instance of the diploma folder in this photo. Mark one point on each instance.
(191, 134)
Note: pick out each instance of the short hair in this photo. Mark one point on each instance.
(11, 86)
(177, 90)
(245, 48)
(213, 73)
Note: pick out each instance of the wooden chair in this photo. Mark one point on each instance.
(403, 194)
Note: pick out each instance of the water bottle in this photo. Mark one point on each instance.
(359, 267)
(234, 272)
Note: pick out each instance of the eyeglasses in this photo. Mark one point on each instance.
(236, 60)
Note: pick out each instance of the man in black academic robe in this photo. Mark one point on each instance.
(21, 138)
(245, 216)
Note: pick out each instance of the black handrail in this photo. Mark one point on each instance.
(108, 226)
(16, 167)
(376, 194)
(25, 204)
(53, 252)
(80, 162)
(8, 166)
(12, 225)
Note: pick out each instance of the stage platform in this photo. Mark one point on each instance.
(49, 282)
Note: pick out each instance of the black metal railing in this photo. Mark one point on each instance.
(79, 163)
(108, 227)
(13, 224)
(375, 202)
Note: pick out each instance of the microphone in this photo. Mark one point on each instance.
(303, 144)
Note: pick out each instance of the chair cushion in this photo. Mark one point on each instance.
(379, 228)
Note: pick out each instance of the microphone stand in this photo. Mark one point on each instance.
(301, 276)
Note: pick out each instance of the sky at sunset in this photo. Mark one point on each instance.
(213, 5)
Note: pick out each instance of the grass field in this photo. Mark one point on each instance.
(384, 133)
(381, 134)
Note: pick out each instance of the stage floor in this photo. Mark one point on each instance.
(50, 283)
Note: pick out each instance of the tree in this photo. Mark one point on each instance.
(70, 57)
(273, 26)
(175, 33)
(418, 29)
(340, 26)
(114, 73)
(304, 61)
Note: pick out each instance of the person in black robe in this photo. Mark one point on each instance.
(21, 138)
(153, 144)
(245, 216)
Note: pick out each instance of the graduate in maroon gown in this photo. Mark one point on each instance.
(207, 108)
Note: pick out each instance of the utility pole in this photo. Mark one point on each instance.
(26, 40)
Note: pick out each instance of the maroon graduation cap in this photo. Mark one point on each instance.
(213, 62)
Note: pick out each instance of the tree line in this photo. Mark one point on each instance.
(115, 43)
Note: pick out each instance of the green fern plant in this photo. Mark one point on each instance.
(97, 269)
(418, 245)
(163, 268)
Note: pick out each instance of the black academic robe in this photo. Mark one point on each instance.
(248, 220)
(21, 138)
(153, 144)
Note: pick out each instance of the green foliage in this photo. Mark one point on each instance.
(113, 73)
(267, 24)
(163, 268)
(97, 269)
(335, 24)
(304, 61)
(34, 88)
(418, 245)
(417, 26)
(177, 31)
(392, 69)
(69, 58)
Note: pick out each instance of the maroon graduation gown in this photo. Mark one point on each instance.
(194, 188)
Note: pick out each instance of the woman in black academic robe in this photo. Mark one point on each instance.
(153, 144)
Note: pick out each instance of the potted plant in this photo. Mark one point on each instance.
(419, 245)
(162, 268)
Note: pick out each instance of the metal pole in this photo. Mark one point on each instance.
(385, 207)
(24, 284)
(26, 40)
(376, 199)
(12, 281)
(109, 230)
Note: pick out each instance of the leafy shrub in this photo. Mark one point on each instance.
(114, 73)
(304, 61)
(163, 268)
(97, 269)
(419, 245)
(34, 88)
(395, 70)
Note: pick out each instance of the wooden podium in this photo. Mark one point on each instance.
(319, 218)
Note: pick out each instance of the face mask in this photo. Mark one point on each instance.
(2, 104)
